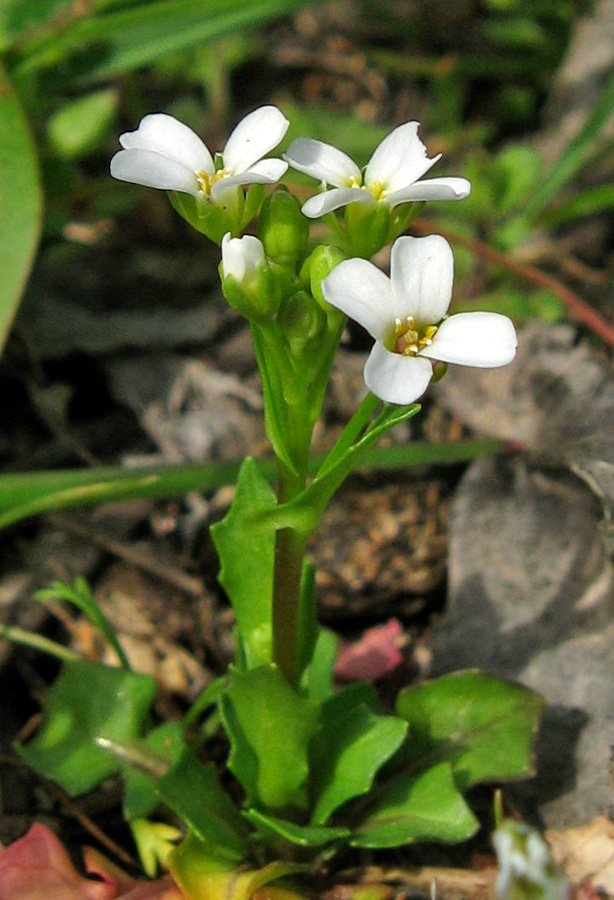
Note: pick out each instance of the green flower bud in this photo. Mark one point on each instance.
(302, 322)
(248, 283)
(316, 267)
(282, 228)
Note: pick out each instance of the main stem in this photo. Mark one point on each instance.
(289, 554)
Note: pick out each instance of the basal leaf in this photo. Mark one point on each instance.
(272, 828)
(351, 746)
(140, 797)
(194, 792)
(269, 726)
(422, 807)
(483, 726)
(21, 203)
(246, 551)
(87, 705)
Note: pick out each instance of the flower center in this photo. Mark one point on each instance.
(409, 340)
(377, 189)
(205, 182)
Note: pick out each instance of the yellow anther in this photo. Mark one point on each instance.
(409, 339)
(207, 181)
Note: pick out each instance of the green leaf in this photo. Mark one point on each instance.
(193, 791)
(271, 829)
(318, 679)
(351, 746)
(423, 807)
(484, 727)
(21, 203)
(140, 797)
(87, 705)
(246, 550)
(269, 726)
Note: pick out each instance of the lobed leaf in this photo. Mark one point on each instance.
(353, 743)
(87, 705)
(423, 807)
(484, 727)
(269, 726)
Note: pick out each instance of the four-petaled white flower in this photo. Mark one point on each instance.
(406, 314)
(392, 175)
(164, 153)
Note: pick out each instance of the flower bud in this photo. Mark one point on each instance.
(282, 228)
(317, 266)
(302, 322)
(247, 281)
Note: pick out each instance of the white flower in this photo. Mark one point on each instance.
(163, 153)
(241, 258)
(406, 315)
(392, 175)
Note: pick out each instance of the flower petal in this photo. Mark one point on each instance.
(421, 272)
(153, 170)
(399, 160)
(253, 138)
(432, 189)
(322, 161)
(241, 256)
(395, 378)
(481, 339)
(261, 173)
(167, 136)
(361, 291)
(328, 201)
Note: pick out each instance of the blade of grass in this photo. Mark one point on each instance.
(575, 153)
(128, 38)
(28, 494)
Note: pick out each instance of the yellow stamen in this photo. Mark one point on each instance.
(206, 182)
(409, 340)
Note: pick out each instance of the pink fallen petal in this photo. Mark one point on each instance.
(37, 867)
(128, 888)
(375, 654)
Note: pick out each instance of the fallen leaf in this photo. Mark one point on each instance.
(586, 853)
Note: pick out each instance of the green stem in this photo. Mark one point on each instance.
(289, 553)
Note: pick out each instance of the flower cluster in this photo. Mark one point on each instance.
(405, 313)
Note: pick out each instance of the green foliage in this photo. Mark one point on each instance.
(246, 548)
(82, 597)
(20, 203)
(418, 807)
(352, 745)
(88, 706)
(269, 726)
(484, 727)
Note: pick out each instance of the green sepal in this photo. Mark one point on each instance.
(269, 726)
(246, 550)
(206, 217)
(367, 226)
(87, 706)
(483, 726)
(352, 745)
(194, 792)
(417, 807)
